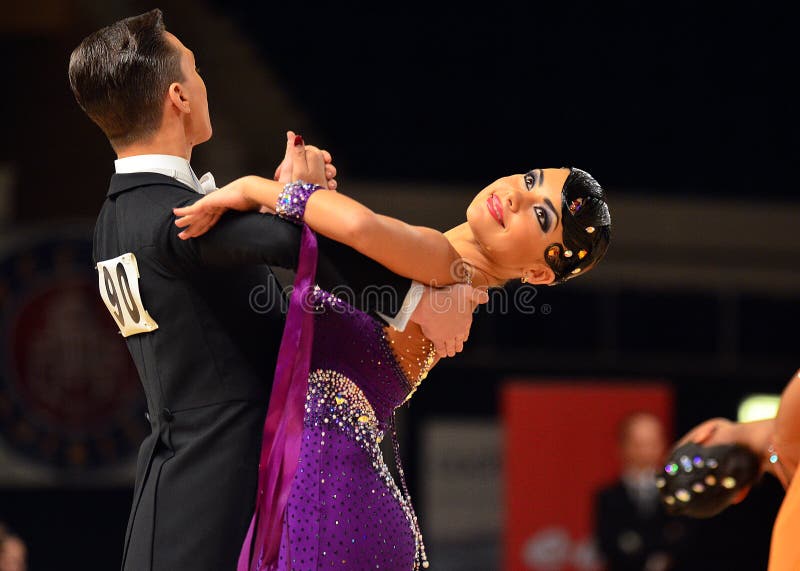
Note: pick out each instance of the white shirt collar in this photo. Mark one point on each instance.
(169, 165)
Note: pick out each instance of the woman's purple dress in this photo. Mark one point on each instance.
(344, 509)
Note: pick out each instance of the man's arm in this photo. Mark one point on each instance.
(444, 314)
(242, 239)
(249, 238)
(361, 281)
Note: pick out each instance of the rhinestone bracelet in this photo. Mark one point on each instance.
(293, 198)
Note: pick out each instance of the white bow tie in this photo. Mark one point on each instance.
(207, 183)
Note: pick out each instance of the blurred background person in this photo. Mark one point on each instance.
(634, 532)
(13, 552)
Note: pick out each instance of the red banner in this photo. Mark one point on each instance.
(560, 446)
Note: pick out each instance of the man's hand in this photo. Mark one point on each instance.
(284, 171)
(445, 316)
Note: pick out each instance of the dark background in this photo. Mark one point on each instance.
(668, 96)
(667, 99)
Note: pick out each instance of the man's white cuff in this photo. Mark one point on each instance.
(410, 304)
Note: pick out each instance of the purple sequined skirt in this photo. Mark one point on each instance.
(345, 510)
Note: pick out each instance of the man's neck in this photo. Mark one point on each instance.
(160, 144)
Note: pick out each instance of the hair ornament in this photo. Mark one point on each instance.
(712, 463)
(576, 205)
(671, 468)
(686, 463)
(582, 254)
(669, 500)
(590, 229)
(568, 253)
(729, 482)
(698, 488)
(660, 482)
(683, 495)
(711, 480)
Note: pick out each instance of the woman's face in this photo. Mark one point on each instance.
(516, 218)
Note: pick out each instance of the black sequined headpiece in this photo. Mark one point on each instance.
(586, 224)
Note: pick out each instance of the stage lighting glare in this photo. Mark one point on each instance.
(758, 407)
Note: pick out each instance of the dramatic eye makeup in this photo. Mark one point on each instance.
(536, 178)
(552, 208)
(543, 217)
(530, 179)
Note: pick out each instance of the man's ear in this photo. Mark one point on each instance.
(540, 274)
(741, 495)
(178, 97)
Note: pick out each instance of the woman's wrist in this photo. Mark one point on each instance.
(292, 200)
(259, 191)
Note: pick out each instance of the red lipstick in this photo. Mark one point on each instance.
(495, 209)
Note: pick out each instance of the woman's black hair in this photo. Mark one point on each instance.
(586, 227)
(701, 481)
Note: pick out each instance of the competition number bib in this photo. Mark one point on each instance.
(119, 287)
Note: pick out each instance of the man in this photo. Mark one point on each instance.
(633, 531)
(201, 317)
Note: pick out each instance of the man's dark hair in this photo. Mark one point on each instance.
(120, 74)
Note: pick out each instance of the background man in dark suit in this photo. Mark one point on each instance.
(633, 531)
(202, 318)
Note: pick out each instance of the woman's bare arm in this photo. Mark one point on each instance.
(416, 252)
(787, 421)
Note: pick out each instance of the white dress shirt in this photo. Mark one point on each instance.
(641, 485)
(180, 169)
(169, 165)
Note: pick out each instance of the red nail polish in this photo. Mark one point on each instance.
(298, 140)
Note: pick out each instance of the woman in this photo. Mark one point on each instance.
(326, 498)
(717, 462)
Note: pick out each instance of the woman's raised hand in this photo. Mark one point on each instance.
(307, 168)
